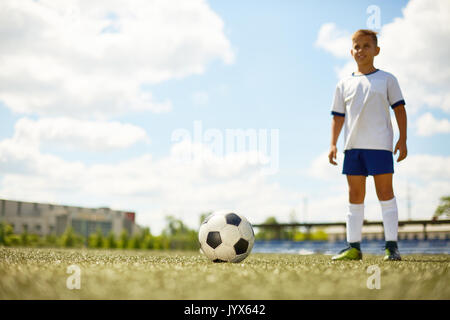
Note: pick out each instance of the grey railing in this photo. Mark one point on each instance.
(279, 226)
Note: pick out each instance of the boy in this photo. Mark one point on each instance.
(361, 104)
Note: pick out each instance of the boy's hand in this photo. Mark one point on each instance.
(332, 155)
(401, 146)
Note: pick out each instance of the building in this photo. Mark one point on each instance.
(45, 219)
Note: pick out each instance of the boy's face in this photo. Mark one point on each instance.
(364, 50)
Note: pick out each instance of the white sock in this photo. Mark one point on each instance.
(355, 219)
(390, 219)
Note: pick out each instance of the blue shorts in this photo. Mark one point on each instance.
(364, 162)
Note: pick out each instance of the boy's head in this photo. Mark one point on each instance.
(364, 46)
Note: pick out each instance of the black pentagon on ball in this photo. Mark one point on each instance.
(233, 218)
(218, 261)
(241, 246)
(213, 239)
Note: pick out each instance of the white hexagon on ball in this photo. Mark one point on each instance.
(230, 235)
(216, 222)
(246, 230)
(224, 253)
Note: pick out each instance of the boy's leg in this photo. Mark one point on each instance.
(389, 210)
(383, 186)
(385, 193)
(355, 215)
(356, 188)
(355, 218)
(356, 174)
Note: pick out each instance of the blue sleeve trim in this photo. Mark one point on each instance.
(398, 103)
(334, 113)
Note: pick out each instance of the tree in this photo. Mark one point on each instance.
(319, 235)
(174, 226)
(50, 240)
(68, 239)
(299, 236)
(272, 233)
(9, 238)
(2, 233)
(123, 240)
(148, 241)
(179, 235)
(24, 237)
(161, 242)
(95, 240)
(135, 242)
(443, 208)
(13, 240)
(110, 241)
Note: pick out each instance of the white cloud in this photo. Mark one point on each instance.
(321, 168)
(84, 59)
(334, 40)
(425, 168)
(73, 134)
(427, 125)
(200, 98)
(421, 167)
(18, 159)
(412, 48)
(152, 187)
(155, 188)
(421, 178)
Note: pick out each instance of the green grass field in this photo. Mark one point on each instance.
(27, 273)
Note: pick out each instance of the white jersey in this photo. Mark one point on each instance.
(364, 101)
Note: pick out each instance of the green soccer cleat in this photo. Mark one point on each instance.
(348, 254)
(392, 254)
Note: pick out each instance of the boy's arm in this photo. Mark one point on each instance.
(336, 127)
(400, 116)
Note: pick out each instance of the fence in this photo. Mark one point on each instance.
(278, 227)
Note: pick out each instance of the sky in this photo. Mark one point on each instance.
(191, 106)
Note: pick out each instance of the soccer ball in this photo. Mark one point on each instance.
(226, 236)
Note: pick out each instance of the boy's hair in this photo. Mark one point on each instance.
(366, 32)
